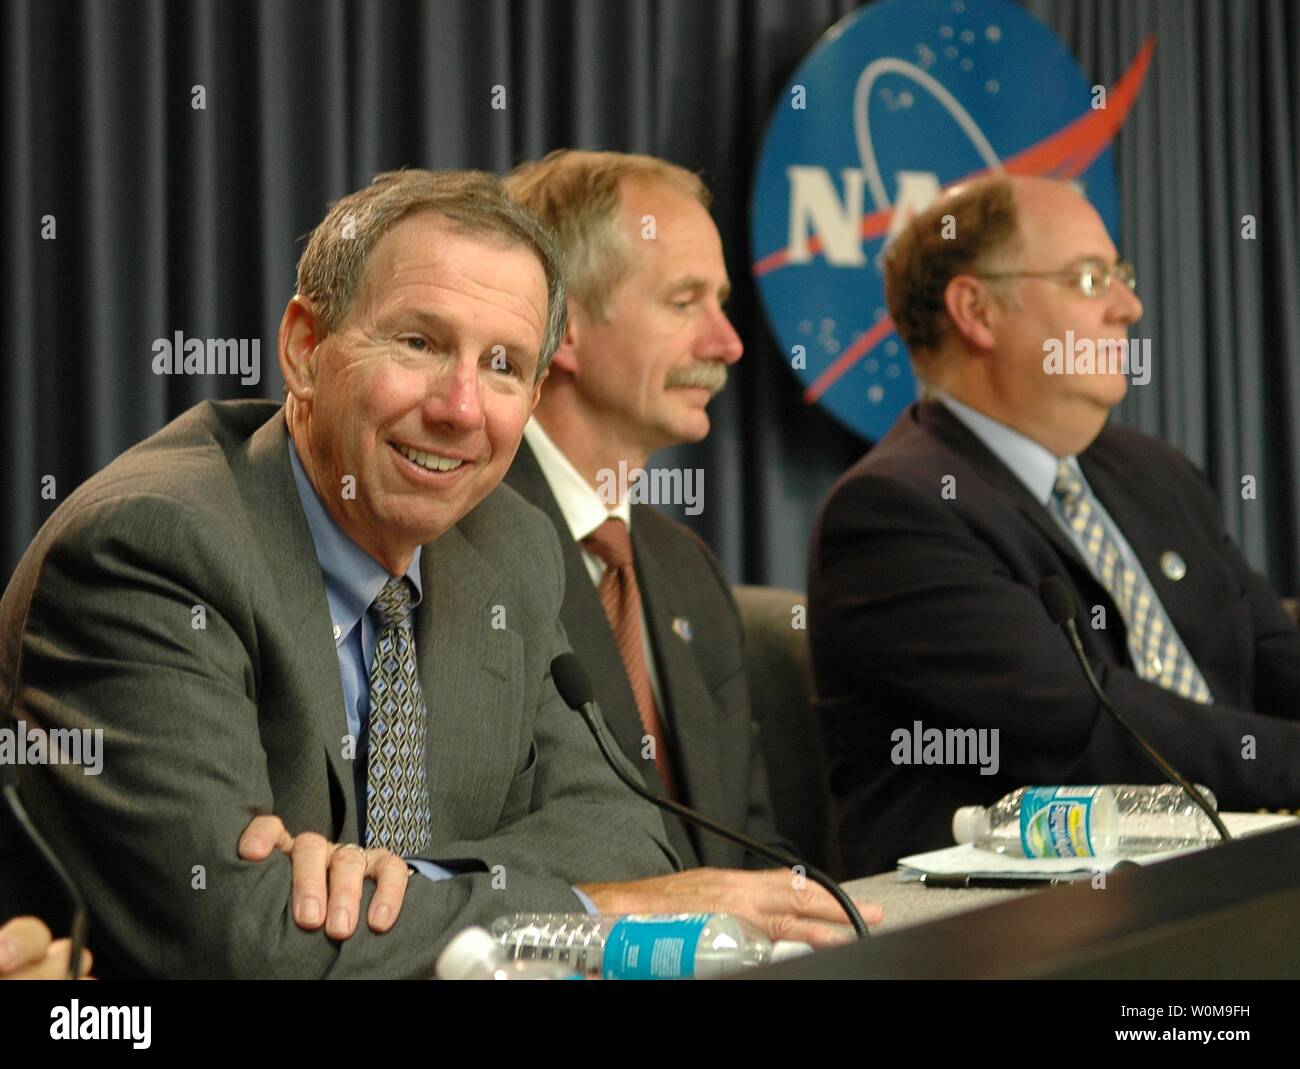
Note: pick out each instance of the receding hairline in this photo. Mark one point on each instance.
(586, 198)
(1033, 197)
(435, 215)
(629, 214)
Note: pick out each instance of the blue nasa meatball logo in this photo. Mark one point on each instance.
(899, 101)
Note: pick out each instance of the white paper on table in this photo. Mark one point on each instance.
(968, 860)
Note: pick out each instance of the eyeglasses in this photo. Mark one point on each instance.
(1092, 278)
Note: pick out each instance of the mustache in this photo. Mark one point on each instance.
(711, 375)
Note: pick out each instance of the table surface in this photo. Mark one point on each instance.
(907, 904)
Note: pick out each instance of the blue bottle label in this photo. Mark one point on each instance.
(1057, 821)
(662, 948)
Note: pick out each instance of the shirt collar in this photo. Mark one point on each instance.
(1033, 464)
(581, 506)
(353, 578)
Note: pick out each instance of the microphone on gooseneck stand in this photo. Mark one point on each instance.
(1060, 607)
(574, 685)
(9, 789)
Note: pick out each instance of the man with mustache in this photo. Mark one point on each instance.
(646, 607)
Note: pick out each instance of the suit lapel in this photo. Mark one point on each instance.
(470, 660)
(1148, 521)
(263, 473)
(593, 641)
(686, 695)
(958, 437)
(584, 619)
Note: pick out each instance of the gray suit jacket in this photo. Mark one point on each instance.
(204, 727)
(698, 645)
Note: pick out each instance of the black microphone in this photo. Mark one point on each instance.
(574, 685)
(1060, 607)
(9, 789)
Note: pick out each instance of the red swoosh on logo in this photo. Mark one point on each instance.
(1067, 153)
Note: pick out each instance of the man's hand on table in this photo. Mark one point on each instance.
(333, 874)
(781, 905)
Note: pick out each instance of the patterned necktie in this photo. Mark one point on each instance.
(1158, 654)
(621, 597)
(398, 815)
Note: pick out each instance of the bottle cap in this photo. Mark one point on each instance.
(469, 954)
(966, 823)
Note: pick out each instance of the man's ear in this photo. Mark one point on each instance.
(300, 336)
(970, 309)
(566, 355)
(537, 389)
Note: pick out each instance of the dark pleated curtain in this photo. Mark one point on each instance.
(1214, 138)
(169, 218)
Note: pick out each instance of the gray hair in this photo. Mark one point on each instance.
(578, 195)
(472, 202)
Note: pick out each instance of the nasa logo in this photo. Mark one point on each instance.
(901, 100)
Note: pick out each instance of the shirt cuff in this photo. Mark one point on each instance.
(433, 871)
(429, 869)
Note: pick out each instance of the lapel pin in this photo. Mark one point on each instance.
(337, 631)
(682, 628)
(1172, 565)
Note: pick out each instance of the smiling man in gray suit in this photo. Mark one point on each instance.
(329, 611)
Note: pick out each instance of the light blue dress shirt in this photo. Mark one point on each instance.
(1035, 466)
(353, 579)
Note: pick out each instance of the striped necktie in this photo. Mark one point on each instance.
(398, 815)
(1158, 654)
(621, 598)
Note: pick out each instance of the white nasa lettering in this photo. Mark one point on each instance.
(814, 205)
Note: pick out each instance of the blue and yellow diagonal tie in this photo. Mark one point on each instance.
(397, 791)
(1158, 654)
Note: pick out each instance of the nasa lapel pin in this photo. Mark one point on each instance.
(682, 628)
(1172, 565)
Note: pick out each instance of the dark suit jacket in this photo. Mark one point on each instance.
(714, 741)
(206, 727)
(923, 608)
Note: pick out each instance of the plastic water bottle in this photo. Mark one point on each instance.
(1117, 821)
(474, 955)
(642, 946)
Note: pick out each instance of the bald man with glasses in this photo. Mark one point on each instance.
(927, 556)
